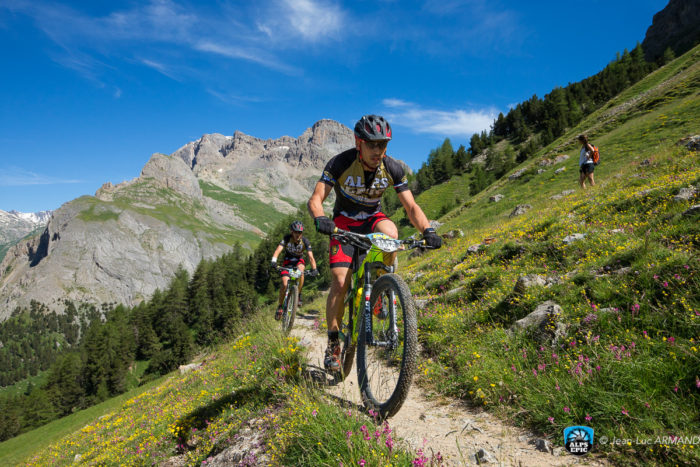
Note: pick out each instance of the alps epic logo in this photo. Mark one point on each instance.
(578, 440)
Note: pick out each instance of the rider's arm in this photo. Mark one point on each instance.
(319, 195)
(278, 250)
(313, 261)
(413, 211)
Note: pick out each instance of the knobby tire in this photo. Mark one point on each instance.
(370, 374)
(291, 311)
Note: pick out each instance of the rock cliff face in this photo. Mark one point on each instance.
(677, 26)
(129, 239)
(283, 167)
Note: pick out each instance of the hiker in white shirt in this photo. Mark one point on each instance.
(585, 162)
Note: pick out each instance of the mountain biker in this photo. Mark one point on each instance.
(360, 176)
(294, 244)
(585, 162)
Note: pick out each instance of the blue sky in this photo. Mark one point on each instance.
(90, 89)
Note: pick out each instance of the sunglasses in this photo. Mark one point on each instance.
(376, 144)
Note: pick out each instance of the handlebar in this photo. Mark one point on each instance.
(363, 240)
(307, 272)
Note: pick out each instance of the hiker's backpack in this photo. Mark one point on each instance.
(596, 155)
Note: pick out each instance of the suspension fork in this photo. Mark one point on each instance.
(367, 291)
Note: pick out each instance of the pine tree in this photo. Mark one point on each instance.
(38, 409)
(65, 383)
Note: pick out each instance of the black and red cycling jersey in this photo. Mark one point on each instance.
(294, 250)
(358, 192)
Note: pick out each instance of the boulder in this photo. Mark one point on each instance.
(473, 249)
(530, 280)
(248, 447)
(452, 234)
(691, 142)
(685, 194)
(517, 174)
(482, 456)
(693, 211)
(543, 323)
(543, 445)
(495, 198)
(574, 238)
(520, 210)
(188, 368)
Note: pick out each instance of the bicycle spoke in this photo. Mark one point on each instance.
(385, 359)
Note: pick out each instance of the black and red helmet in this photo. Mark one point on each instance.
(296, 226)
(373, 128)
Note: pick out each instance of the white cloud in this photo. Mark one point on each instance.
(314, 20)
(292, 22)
(230, 98)
(170, 29)
(233, 51)
(14, 176)
(459, 122)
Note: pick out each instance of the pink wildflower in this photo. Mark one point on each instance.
(588, 418)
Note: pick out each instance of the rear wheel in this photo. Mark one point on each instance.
(291, 310)
(385, 370)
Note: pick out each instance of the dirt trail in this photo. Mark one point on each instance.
(450, 427)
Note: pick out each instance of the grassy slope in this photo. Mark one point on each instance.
(628, 364)
(198, 414)
(167, 206)
(262, 215)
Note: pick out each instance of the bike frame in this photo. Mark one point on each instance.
(294, 275)
(362, 276)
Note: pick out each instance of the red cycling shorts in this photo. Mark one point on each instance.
(341, 255)
(291, 263)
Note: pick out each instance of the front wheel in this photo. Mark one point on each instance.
(385, 368)
(290, 311)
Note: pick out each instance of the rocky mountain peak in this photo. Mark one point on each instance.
(130, 238)
(677, 26)
(172, 172)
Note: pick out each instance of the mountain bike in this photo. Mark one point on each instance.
(384, 334)
(291, 297)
